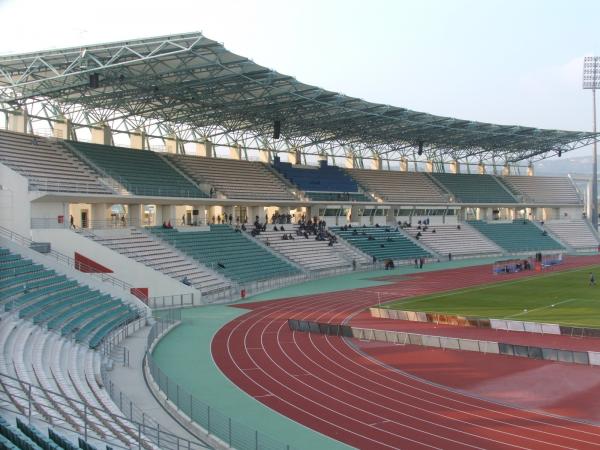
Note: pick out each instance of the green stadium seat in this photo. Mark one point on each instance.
(141, 172)
(516, 236)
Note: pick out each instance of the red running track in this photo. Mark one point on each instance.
(326, 383)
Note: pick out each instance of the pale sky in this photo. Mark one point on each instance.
(502, 61)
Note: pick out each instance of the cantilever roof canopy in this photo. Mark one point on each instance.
(193, 87)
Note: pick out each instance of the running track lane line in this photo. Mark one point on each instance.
(299, 305)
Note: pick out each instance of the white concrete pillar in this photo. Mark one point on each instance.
(350, 161)
(295, 156)
(403, 165)
(171, 144)
(455, 166)
(100, 215)
(205, 149)
(235, 152)
(265, 156)
(63, 129)
(506, 169)
(137, 139)
(482, 213)
(135, 215)
(481, 169)
(17, 120)
(376, 163)
(101, 135)
(166, 213)
(530, 171)
(429, 166)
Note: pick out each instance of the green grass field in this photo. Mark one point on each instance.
(561, 297)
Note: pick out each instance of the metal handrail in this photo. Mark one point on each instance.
(69, 262)
(66, 411)
(216, 423)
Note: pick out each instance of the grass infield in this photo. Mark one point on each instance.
(565, 298)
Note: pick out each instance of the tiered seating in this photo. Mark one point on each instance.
(141, 172)
(309, 253)
(228, 252)
(470, 188)
(551, 190)
(386, 243)
(322, 183)
(463, 240)
(575, 233)
(395, 186)
(62, 375)
(48, 165)
(517, 236)
(158, 255)
(235, 179)
(45, 297)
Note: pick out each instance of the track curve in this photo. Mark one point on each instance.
(325, 383)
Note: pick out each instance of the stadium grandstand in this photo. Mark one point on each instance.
(144, 176)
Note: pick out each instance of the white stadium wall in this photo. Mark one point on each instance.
(126, 269)
(14, 201)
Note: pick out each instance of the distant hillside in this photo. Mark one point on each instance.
(563, 166)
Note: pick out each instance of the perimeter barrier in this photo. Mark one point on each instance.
(482, 322)
(446, 342)
(215, 423)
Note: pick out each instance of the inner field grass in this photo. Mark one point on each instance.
(560, 297)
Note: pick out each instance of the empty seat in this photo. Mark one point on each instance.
(549, 190)
(48, 165)
(233, 178)
(141, 172)
(395, 186)
(517, 236)
(472, 188)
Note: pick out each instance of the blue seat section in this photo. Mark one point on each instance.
(42, 295)
(516, 236)
(382, 242)
(228, 252)
(141, 172)
(472, 188)
(320, 179)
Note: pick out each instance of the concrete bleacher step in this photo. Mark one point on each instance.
(159, 255)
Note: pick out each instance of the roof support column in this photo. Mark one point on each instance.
(17, 120)
(294, 156)
(63, 128)
(235, 152)
(137, 139)
(530, 171)
(171, 144)
(403, 165)
(350, 160)
(205, 149)
(429, 166)
(481, 168)
(101, 134)
(455, 166)
(506, 169)
(376, 163)
(265, 156)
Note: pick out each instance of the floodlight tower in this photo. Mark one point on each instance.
(591, 80)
